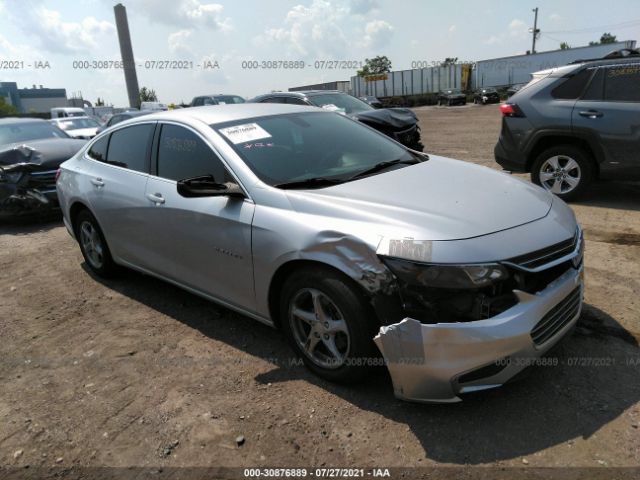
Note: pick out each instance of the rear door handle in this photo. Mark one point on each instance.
(97, 182)
(591, 114)
(155, 198)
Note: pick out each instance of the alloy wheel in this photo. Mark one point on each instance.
(560, 174)
(319, 328)
(92, 244)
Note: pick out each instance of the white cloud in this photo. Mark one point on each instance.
(362, 7)
(517, 28)
(377, 33)
(58, 36)
(452, 28)
(315, 30)
(185, 13)
(179, 43)
(554, 17)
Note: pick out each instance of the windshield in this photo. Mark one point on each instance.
(339, 102)
(293, 147)
(19, 132)
(225, 99)
(77, 123)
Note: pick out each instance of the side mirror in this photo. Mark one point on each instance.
(206, 186)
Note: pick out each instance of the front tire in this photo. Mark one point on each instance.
(564, 170)
(329, 324)
(93, 245)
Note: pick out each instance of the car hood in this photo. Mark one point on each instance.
(46, 153)
(439, 199)
(398, 118)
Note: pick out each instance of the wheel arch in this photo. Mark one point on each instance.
(75, 209)
(550, 140)
(383, 299)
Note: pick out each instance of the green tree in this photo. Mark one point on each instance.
(605, 38)
(148, 95)
(7, 108)
(375, 66)
(565, 46)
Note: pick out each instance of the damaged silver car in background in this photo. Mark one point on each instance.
(318, 225)
(31, 150)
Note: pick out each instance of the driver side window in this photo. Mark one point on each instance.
(183, 154)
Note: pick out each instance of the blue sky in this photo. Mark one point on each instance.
(232, 32)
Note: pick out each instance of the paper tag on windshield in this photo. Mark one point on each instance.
(245, 133)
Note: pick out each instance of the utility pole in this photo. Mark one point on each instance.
(535, 30)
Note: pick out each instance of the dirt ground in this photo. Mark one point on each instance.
(135, 372)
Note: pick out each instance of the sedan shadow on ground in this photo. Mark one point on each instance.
(623, 195)
(593, 382)
(29, 225)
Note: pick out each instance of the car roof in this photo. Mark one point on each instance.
(212, 114)
(66, 119)
(134, 113)
(300, 93)
(12, 120)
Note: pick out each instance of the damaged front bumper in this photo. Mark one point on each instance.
(34, 193)
(437, 362)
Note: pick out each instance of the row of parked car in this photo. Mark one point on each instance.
(567, 127)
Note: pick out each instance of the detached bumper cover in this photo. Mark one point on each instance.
(436, 362)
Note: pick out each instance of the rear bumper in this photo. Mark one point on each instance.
(509, 159)
(437, 362)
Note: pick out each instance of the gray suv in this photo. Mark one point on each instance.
(576, 123)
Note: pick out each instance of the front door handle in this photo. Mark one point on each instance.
(591, 114)
(155, 198)
(97, 182)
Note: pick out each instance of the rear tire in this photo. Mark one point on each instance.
(329, 324)
(93, 245)
(564, 170)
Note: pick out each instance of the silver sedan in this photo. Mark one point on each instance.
(363, 252)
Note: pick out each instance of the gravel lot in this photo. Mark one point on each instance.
(135, 372)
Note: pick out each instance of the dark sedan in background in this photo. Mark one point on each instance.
(486, 95)
(121, 117)
(373, 101)
(401, 124)
(31, 150)
(451, 97)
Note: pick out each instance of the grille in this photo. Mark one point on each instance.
(406, 136)
(43, 179)
(546, 255)
(557, 318)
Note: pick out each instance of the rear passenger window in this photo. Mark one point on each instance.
(98, 151)
(274, 100)
(622, 83)
(183, 154)
(594, 90)
(573, 86)
(128, 147)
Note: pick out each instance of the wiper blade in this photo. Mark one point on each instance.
(315, 182)
(383, 165)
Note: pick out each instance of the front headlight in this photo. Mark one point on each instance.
(10, 177)
(446, 276)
